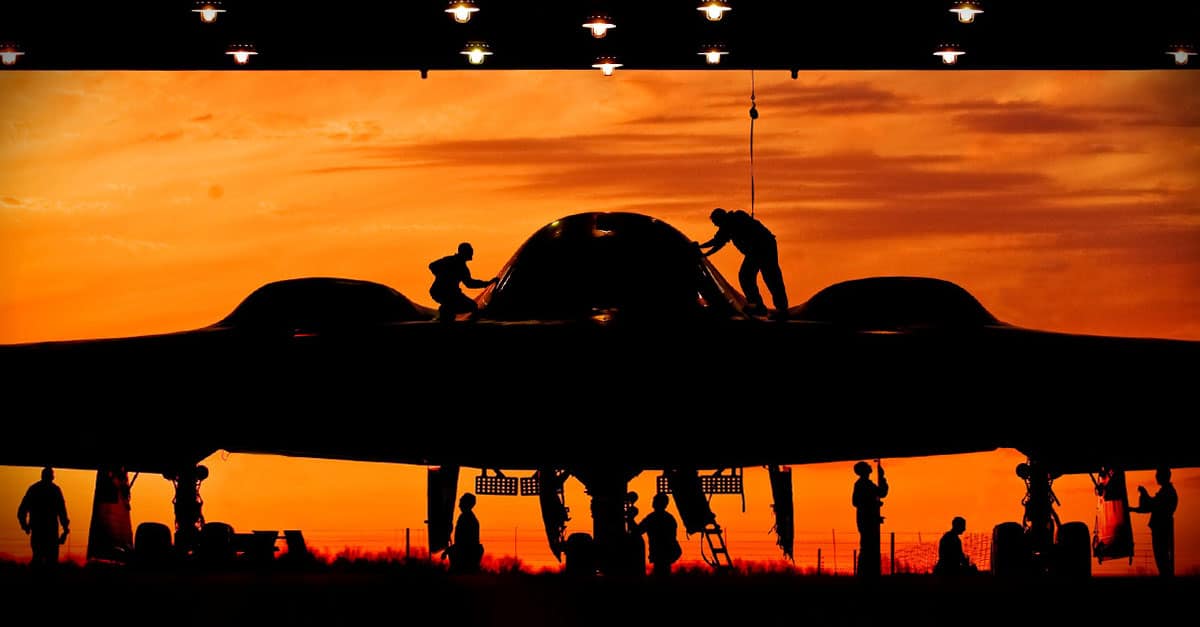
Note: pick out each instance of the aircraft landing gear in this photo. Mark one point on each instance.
(1041, 544)
(189, 515)
(607, 549)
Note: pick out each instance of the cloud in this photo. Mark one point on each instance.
(1025, 121)
(837, 99)
(161, 137)
(51, 206)
(354, 130)
(342, 169)
(135, 246)
(663, 119)
(1033, 116)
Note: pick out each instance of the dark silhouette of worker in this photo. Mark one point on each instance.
(1161, 508)
(635, 545)
(40, 513)
(660, 529)
(466, 552)
(758, 245)
(952, 560)
(448, 272)
(868, 499)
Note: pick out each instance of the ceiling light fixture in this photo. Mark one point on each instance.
(949, 53)
(966, 11)
(1182, 53)
(477, 52)
(10, 53)
(209, 11)
(712, 53)
(714, 10)
(599, 25)
(241, 53)
(607, 65)
(461, 10)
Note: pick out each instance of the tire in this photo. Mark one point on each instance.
(1010, 556)
(581, 555)
(152, 544)
(216, 543)
(1073, 551)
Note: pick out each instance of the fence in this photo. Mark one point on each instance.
(828, 553)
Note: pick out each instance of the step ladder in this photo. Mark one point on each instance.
(718, 554)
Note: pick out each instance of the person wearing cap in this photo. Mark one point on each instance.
(868, 499)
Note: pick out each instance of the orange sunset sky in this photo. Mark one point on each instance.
(145, 202)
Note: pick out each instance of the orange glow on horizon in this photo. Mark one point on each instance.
(148, 202)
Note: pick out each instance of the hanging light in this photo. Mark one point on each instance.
(712, 53)
(10, 53)
(476, 52)
(241, 53)
(966, 11)
(714, 10)
(599, 25)
(208, 11)
(607, 65)
(949, 53)
(1180, 52)
(462, 10)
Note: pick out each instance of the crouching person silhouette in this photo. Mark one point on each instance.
(466, 552)
(448, 272)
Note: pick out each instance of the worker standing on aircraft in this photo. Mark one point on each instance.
(448, 272)
(761, 252)
(868, 499)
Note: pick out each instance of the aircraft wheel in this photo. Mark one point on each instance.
(1009, 553)
(581, 555)
(152, 543)
(216, 543)
(1073, 551)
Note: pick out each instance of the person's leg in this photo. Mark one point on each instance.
(866, 555)
(869, 554)
(468, 306)
(456, 304)
(45, 548)
(773, 277)
(748, 279)
(1163, 559)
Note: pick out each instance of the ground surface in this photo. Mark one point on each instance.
(407, 596)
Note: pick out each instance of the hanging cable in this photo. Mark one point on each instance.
(753, 117)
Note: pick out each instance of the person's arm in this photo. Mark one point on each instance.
(883, 487)
(1145, 502)
(23, 513)
(474, 283)
(716, 243)
(62, 512)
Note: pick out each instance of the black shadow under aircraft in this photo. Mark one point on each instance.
(608, 347)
